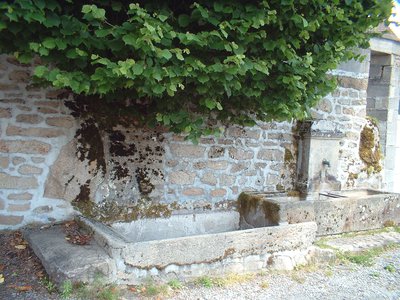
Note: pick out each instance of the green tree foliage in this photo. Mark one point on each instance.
(186, 64)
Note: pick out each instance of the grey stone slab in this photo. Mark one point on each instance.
(208, 248)
(65, 261)
(364, 242)
(337, 212)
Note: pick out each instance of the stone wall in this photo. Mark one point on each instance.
(55, 152)
(344, 111)
(34, 125)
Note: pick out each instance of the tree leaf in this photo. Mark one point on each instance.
(49, 43)
(137, 69)
(40, 71)
(183, 20)
(166, 54)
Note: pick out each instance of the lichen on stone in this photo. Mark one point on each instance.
(110, 211)
(248, 203)
(369, 150)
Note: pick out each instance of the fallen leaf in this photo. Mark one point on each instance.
(21, 288)
(24, 288)
(132, 288)
(40, 274)
(1, 278)
(20, 247)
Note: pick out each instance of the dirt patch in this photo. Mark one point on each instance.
(24, 276)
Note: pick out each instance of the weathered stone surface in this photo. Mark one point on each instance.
(178, 226)
(19, 76)
(218, 193)
(36, 132)
(227, 180)
(193, 192)
(270, 154)
(5, 113)
(8, 87)
(238, 167)
(281, 262)
(29, 170)
(24, 108)
(238, 132)
(47, 110)
(43, 209)
(54, 104)
(200, 165)
(18, 207)
(2, 204)
(240, 154)
(220, 246)
(20, 196)
(280, 136)
(29, 118)
(56, 94)
(65, 122)
(64, 261)
(188, 151)
(272, 179)
(325, 105)
(209, 178)
(353, 83)
(207, 140)
(216, 152)
(358, 210)
(12, 101)
(68, 174)
(360, 243)
(18, 160)
(182, 177)
(38, 160)
(217, 165)
(10, 220)
(4, 162)
(348, 111)
(29, 147)
(15, 182)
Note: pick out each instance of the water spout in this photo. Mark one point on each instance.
(326, 163)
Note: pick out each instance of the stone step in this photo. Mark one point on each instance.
(65, 261)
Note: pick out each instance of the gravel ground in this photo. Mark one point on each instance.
(349, 281)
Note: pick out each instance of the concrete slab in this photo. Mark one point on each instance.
(65, 261)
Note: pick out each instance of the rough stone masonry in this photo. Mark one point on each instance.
(55, 154)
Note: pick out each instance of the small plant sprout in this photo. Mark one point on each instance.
(390, 268)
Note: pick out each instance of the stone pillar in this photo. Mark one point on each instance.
(383, 106)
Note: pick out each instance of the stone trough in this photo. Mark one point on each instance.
(334, 212)
(191, 245)
(267, 231)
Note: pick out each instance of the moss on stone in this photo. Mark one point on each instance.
(351, 178)
(288, 158)
(248, 203)
(280, 187)
(369, 150)
(110, 211)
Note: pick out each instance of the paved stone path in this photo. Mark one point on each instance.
(363, 241)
